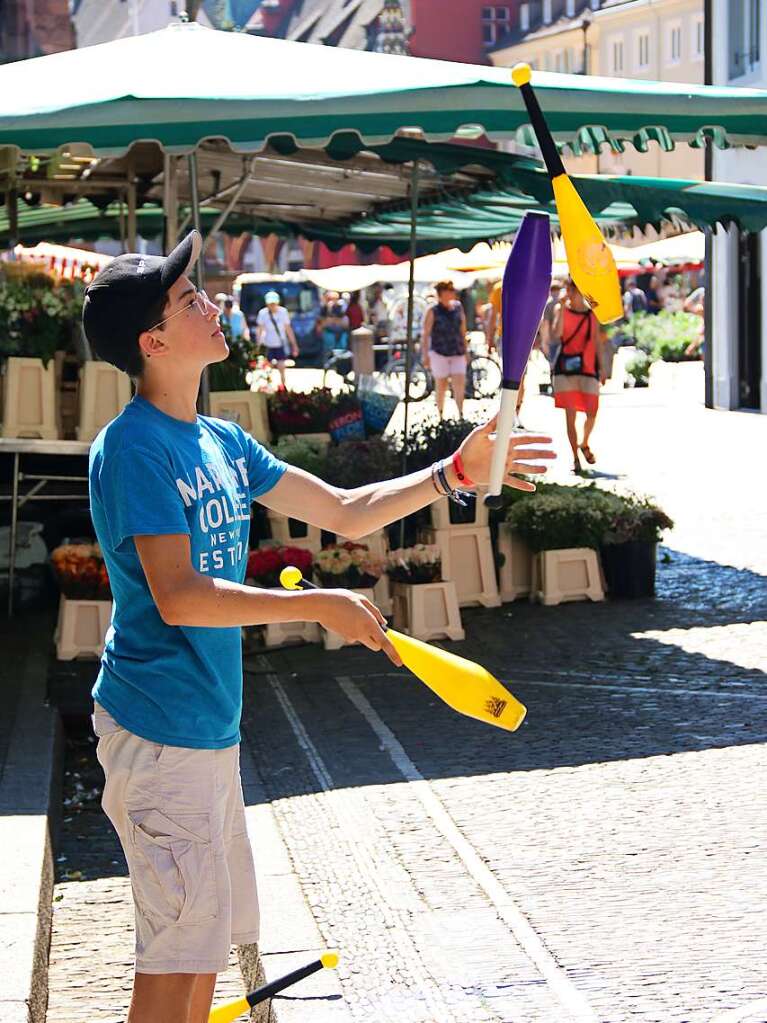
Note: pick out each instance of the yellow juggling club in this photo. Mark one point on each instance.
(233, 1010)
(591, 262)
(463, 685)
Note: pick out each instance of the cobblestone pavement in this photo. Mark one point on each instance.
(605, 863)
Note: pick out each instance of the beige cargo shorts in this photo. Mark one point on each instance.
(180, 817)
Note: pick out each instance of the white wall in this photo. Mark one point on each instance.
(100, 21)
(745, 167)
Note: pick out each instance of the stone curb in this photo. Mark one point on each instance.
(289, 935)
(30, 800)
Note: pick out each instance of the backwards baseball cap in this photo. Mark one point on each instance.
(118, 301)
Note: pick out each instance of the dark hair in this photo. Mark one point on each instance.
(354, 297)
(134, 363)
(444, 286)
(229, 301)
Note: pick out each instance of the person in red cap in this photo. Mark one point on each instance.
(170, 494)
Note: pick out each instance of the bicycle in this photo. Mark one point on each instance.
(483, 375)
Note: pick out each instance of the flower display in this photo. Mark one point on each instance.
(266, 563)
(419, 564)
(348, 565)
(80, 571)
(301, 412)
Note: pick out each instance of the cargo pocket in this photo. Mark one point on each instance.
(175, 878)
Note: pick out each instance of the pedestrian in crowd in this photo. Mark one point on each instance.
(655, 296)
(354, 311)
(696, 303)
(333, 323)
(275, 332)
(634, 299)
(379, 313)
(443, 345)
(233, 321)
(170, 499)
(578, 371)
(493, 330)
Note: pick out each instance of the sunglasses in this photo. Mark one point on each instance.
(200, 299)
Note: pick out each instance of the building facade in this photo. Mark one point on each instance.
(657, 40)
(34, 28)
(738, 293)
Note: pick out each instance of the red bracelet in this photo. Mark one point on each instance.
(460, 472)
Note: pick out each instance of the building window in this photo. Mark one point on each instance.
(675, 44)
(617, 55)
(698, 38)
(547, 62)
(595, 5)
(643, 50)
(173, 8)
(524, 17)
(558, 60)
(546, 12)
(570, 9)
(743, 18)
(496, 23)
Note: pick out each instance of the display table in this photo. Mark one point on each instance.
(18, 446)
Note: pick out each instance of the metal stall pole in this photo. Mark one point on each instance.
(170, 201)
(203, 400)
(410, 296)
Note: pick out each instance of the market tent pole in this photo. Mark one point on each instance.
(131, 195)
(410, 298)
(170, 201)
(12, 200)
(203, 400)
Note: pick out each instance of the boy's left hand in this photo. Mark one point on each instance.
(524, 452)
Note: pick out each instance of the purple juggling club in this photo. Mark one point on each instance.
(526, 286)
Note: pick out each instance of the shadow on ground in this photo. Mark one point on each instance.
(596, 686)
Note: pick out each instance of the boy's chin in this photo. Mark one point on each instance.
(220, 355)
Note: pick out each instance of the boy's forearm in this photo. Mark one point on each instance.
(368, 508)
(208, 602)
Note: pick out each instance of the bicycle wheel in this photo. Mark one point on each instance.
(421, 384)
(483, 377)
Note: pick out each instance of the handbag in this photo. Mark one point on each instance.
(571, 365)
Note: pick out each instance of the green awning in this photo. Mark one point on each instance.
(185, 84)
(82, 219)
(618, 203)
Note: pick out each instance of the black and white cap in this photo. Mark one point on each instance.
(118, 300)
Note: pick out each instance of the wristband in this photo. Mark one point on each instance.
(454, 495)
(460, 472)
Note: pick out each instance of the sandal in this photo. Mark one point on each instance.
(577, 467)
(588, 454)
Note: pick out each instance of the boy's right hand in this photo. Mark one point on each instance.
(354, 617)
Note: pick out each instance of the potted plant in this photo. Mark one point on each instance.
(301, 412)
(633, 529)
(80, 572)
(266, 563)
(309, 454)
(355, 463)
(38, 318)
(558, 521)
(348, 565)
(415, 565)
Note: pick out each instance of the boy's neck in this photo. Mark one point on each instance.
(179, 402)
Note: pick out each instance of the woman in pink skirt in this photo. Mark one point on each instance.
(578, 371)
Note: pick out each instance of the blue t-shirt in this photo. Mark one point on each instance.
(151, 474)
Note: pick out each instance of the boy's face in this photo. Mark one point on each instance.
(192, 339)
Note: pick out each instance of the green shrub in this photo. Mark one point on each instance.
(665, 335)
(303, 453)
(355, 463)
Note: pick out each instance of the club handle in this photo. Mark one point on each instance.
(521, 75)
(304, 584)
(507, 419)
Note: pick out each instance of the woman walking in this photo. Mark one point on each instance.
(443, 346)
(578, 370)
